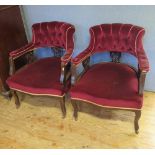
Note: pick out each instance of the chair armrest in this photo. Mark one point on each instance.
(143, 69)
(143, 61)
(81, 57)
(21, 51)
(17, 53)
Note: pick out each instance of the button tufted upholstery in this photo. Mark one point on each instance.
(111, 84)
(50, 34)
(116, 37)
(36, 81)
(47, 76)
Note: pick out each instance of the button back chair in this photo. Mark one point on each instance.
(47, 76)
(111, 84)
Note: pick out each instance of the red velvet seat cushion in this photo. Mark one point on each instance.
(41, 77)
(110, 85)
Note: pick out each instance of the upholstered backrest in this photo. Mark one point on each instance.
(53, 34)
(116, 37)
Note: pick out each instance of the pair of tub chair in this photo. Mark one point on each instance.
(108, 84)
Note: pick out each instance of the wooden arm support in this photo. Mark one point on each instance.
(29, 56)
(85, 63)
(142, 76)
(12, 66)
(65, 73)
(75, 76)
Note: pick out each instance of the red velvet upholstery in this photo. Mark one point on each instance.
(50, 34)
(41, 77)
(114, 85)
(116, 37)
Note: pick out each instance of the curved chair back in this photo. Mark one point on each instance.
(56, 34)
(116, 37)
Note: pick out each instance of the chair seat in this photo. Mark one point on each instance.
(109, 85)
(41, 78)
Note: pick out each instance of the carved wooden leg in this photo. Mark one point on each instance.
(137, 117)
(17, 102)
(75, 114)
(63, 107)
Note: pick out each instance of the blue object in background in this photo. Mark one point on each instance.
(105, 57)
(43, 52)
(100, 57)
(129, 59)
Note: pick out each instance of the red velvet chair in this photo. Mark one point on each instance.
(111, 84)
(47, 76)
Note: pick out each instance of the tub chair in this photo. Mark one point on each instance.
(111, 84)
(48, 76)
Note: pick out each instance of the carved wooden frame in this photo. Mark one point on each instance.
(141, 81)
(65, 75)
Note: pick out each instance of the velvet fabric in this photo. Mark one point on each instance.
(50, 34)
(109, 85)
(41, 77)
(116, 37)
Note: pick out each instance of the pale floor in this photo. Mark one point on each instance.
(38, 124)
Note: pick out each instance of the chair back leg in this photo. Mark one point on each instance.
(137, 117)
(63, 107)
(17, 102)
